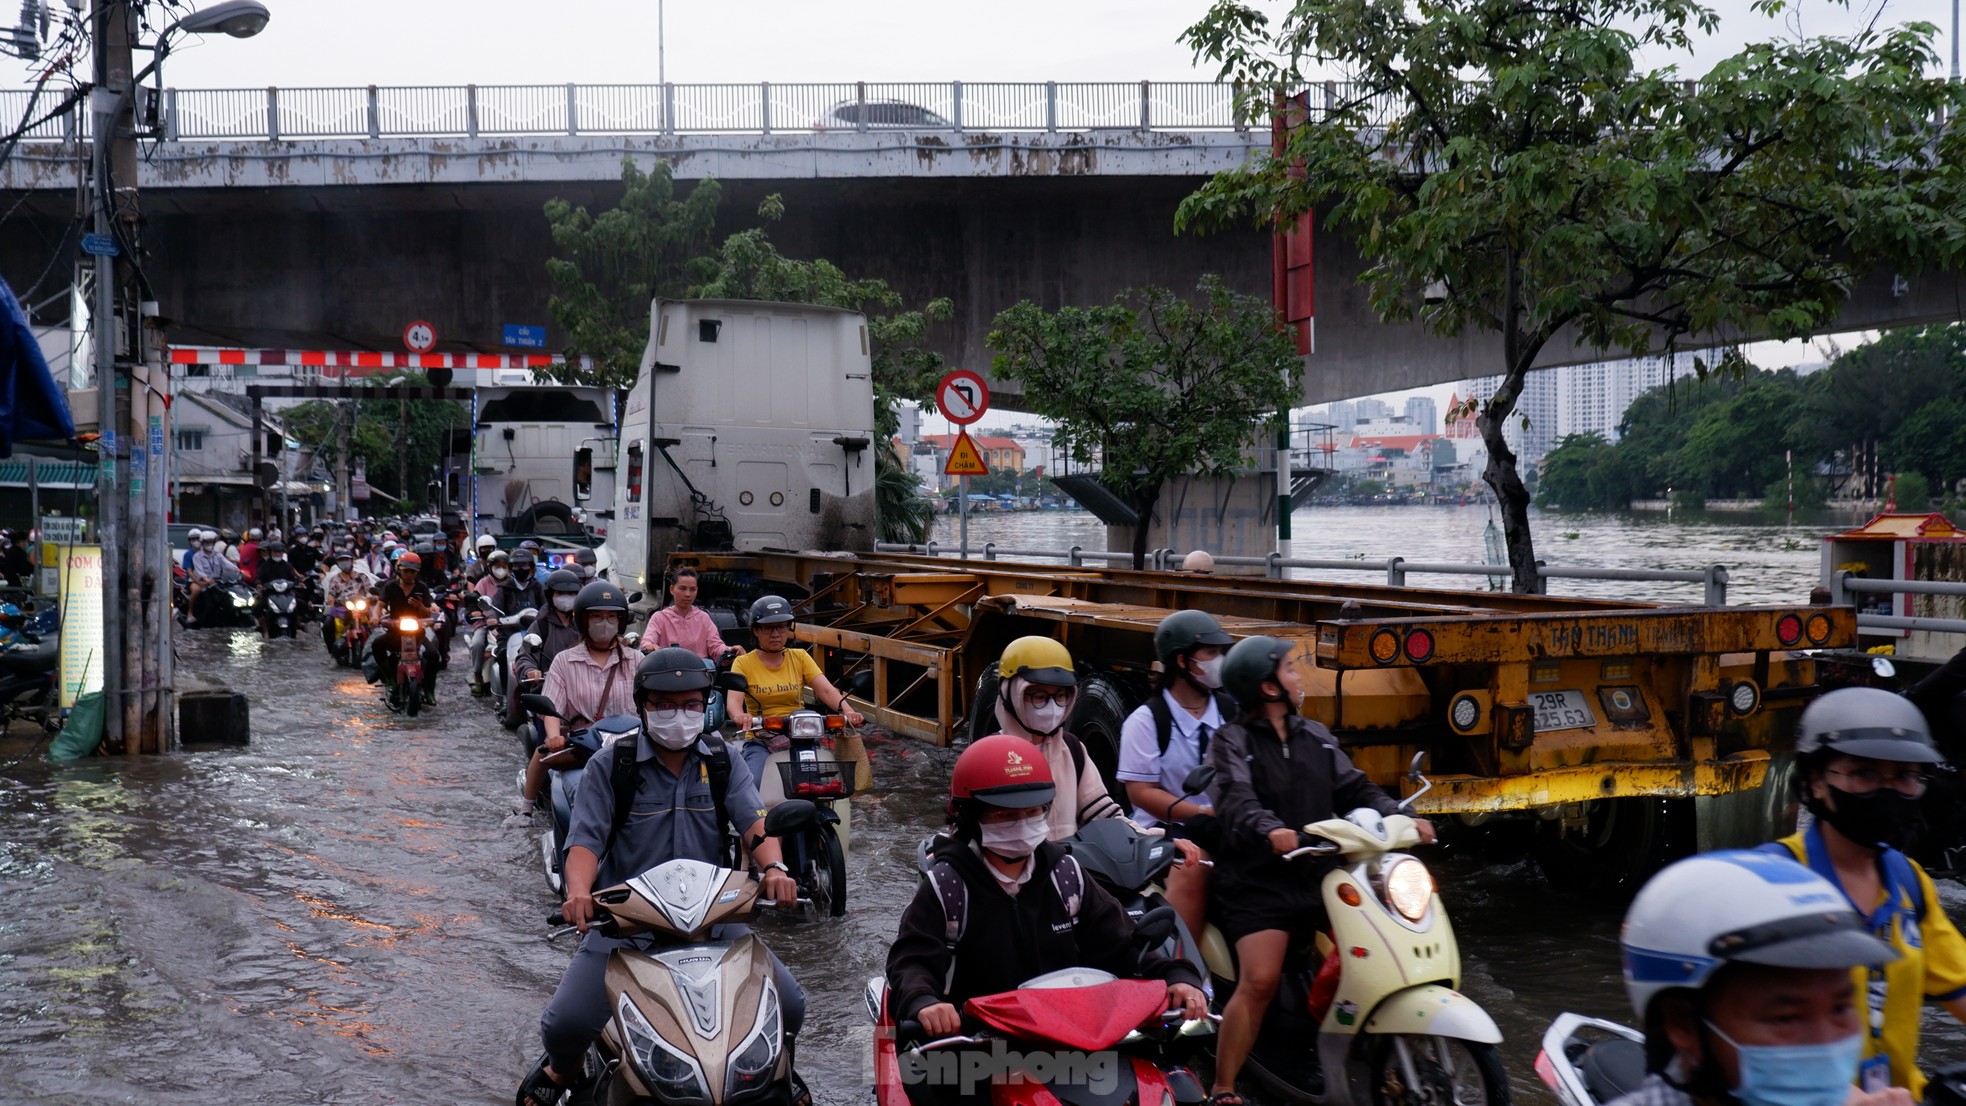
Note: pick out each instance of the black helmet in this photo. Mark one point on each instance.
(562, 579)
(599, 596)
(771, 610)
(586, 557)
(672, 668)
(1251, 661)
(1184, 632)
(523, 563)
(274, 546)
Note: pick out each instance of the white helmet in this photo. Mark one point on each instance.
(1695, 916)
(1866, 722)
(485, 540)
(253, 534)
(1199, 562)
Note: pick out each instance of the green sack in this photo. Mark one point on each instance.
(82, 732)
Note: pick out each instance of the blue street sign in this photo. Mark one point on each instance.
(101, 245)
(525, 337)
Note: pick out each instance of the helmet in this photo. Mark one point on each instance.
(485, 540)
(523, 560)
(585, 557)
(1251, 661)
(563, 580)
(1039, 660)
(1866, 722)
(1000, 771)
(771, 610)
(274, 546)
(1697, 915)
(1184, 632)
(532, 547)
(1199, 562)
(499, 556)
(254, 534)
(599, 596)
(425, 548)
(408, 560)
(672, 668)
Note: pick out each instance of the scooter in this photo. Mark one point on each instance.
(1078, 1035)
(343, 630)
(27, 672)
(280, 610)
(501, 648)
(803, 769)
(1131, 866)
(1589, 1061)
(406, 690)
(696, 1019)
(1396, 1027)
(564, 769)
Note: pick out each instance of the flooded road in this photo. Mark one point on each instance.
(351, 911)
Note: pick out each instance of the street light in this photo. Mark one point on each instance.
(238, 18)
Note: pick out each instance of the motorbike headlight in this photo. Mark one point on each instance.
(241, 600)
(807, 724)
(672, 1075)
(407, 625)
(1409, 888)
(751, 1068)
(359, 606)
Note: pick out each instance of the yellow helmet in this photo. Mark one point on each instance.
(1040, 660)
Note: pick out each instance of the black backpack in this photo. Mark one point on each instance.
(627, 780)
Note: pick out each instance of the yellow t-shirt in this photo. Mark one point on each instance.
(780, 690)
(1931, 963)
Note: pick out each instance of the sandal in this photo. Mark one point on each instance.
(539, 1088)
(1224, 1098)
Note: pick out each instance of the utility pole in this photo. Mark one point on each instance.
(344, 415)
(403, 450)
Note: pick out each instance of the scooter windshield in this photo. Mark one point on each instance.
(1092, 1017)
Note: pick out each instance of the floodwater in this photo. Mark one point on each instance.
(351, 910)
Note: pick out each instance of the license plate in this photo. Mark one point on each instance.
(1562, 710)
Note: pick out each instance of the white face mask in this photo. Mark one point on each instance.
(1016, 840)
(1045, 720)
(500, 572)
(602, 630)
(676, 733)
(1208, 673)
(563, 602)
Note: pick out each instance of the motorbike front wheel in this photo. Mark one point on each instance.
(826, 868)
(1412, 1070)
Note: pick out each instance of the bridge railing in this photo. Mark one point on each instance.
(388, 111)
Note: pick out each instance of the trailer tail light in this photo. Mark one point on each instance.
(1818, 628)
(1788, 629)
(1385, 647)
(1419, 646)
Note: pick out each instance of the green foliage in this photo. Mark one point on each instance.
(1153, 385)
(1808, 492)
(1585, 472)
(903, 511)
(1512, 156)
(1913, 492)
(612, 265)
(373, 435)
(1734, 446)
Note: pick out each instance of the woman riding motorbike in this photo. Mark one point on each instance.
(591, 681)
(778, 677)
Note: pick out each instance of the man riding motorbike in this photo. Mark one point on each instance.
(778, 677)
(481, 562)
(585, 684)
(342, 583)
(521, 590)
(1275, 771)
(497, 568)
(210, 571)
(1028, 908)
(273, 565)
(679, 812)
(406, 595)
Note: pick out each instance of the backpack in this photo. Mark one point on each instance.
(1896, 862)
(1067, 878)
(627, 780)
(1163, 717)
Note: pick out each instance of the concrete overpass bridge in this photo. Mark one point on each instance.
(329, 218)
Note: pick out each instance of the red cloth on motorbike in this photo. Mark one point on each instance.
(1074, 1017)
(1324, 986)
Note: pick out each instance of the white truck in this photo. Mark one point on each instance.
(534, 453)
(750, 426)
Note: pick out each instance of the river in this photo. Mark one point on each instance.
(350, 910)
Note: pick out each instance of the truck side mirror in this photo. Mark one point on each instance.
(583, 474)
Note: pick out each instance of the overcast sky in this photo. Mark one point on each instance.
(423, 42)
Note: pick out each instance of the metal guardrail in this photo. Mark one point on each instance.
(1844, 583)
(474, 111)
(1713, 578)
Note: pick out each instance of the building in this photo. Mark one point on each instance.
(212, 462)
(1366, 409)
(1537, 405)
(1000, 454)
(1421, 412)
(1593, 398)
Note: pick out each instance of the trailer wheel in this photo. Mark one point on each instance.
(1095, 720)
(983, 706)
(1617, 846)
(549, 517)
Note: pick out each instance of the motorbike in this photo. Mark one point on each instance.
(696, 1019)
(280, 610)
(345, 631)
(501, 649)
(28, 666)
(1131, 866)
(804, 770)
(1589, 1061)
(1078, 1035)
(564, 769)
(1396, 1025)
(406, 687)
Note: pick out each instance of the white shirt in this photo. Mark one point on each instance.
(1140, 755)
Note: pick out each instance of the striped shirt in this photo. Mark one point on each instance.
(576, 684)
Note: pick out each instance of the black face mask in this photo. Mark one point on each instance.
(1882, 817)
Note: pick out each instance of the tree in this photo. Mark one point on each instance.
(612, 265)
(1585, 472)
(1504, 166)
(1869, 392)
(1932, 441)
(373, 435)
(1734, 447)
(1153, 386)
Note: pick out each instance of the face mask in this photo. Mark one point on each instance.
(1015, 840)
(1883, 817)
(602, 630)
(501, 572)
(524, 576)
(675, 733)
(1045, 720)
(563, 602)
(1796, 1075)
(1208, 673)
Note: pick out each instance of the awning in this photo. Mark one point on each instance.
(31, 406)
(48, 474)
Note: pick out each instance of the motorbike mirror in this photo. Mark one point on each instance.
(1416, 771)
(1154, 927)
(634, 597)
(1883, 667)
(791, 816)
(539, 705)
(1198, 779)
(535, 640)
(631, 639)
(733, 681)
(529, 614)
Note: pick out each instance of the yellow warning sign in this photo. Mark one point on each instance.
(963, 458)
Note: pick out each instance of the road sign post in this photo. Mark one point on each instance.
(962, 397)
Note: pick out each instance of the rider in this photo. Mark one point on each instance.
(585, 684)
(210, 568)
(249, 554)
(684, 623)
(520, 591)
(342, 583)
(586, 563)
(1167, 737)
(405, 595)
(1036, 685)
(273, 565)
(1018, 914)
(496, 569)
(1275, 771)
(778, 677)
(679, 813)
(306, 553)
(1862, 758)
(1739, 965)
(481, 563)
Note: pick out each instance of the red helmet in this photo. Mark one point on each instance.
(410, 560)
(1002, 771)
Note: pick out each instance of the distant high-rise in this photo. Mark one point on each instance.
(1537, 405)
(1372, 409)
(1423, 414)
(1593, 398)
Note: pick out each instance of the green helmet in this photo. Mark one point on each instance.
(1251, 661)
(1184, 632)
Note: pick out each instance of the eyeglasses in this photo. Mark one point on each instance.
(1037, 697)
(1863, 781)
(669, 713)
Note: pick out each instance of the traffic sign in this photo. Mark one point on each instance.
(100, 245)
(420, 337)
(525, 337)
(964, 460)
(962, 397)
